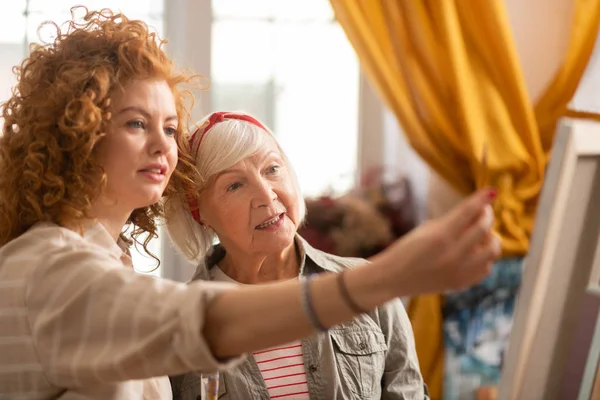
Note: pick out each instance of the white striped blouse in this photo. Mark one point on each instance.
(75, 323)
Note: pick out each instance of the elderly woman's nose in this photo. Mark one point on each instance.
(263, 194)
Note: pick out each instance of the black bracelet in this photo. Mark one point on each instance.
(347, 298)
(308, 306)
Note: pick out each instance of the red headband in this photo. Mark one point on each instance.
(214, 119)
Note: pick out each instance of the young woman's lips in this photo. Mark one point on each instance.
(154, 175)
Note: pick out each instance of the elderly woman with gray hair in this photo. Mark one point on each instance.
(240, 226)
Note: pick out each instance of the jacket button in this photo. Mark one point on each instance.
(313, 368)
(361, 346)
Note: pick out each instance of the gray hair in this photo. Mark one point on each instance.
(224, 145)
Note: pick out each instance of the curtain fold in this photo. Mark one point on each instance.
(450, 73)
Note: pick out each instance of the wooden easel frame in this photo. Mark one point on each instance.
(554, 346)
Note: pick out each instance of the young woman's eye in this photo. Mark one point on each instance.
(170, 131)
(135, 124)
(233, 186)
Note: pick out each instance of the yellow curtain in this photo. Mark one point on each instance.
(449, 72)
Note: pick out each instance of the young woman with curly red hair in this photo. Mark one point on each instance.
(94, 136)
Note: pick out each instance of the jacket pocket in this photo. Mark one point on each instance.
(360, 358)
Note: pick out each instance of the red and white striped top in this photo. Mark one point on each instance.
(282, 367)
(283, 370)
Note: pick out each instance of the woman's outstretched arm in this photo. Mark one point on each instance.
(449, 253)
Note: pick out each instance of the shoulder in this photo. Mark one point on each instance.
(340, 263)
(42, 240)
(48, 259)
(47, 254)
(395, 311)
(326, 261)
(212, 258)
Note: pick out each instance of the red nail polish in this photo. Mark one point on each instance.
(492, 194)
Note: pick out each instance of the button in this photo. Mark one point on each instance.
(361, 346)
(313, 368)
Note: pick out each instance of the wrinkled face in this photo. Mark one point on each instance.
(253, 206)
(139, 152)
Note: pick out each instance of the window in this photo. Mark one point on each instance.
(19, 21)
(290, 64)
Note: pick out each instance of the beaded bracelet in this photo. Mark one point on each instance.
(308, 306)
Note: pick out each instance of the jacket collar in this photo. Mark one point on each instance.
(311, 260)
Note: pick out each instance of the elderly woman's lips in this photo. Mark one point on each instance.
(273, 222)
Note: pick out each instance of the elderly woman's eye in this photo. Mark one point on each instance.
(273, 169)
(233, 187)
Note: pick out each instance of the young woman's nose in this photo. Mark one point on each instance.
(158, 141)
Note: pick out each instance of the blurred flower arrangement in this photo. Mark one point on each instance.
(363, 221)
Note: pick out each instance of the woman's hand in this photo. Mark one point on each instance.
(449, 253)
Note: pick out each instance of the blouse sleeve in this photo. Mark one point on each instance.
(92, 320)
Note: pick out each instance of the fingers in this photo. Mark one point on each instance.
(469, 210)
(478, 264)
(475, 249)
(475, 233)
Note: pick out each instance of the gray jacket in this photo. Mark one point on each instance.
(371, 357)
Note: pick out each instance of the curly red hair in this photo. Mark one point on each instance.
(59, 111)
